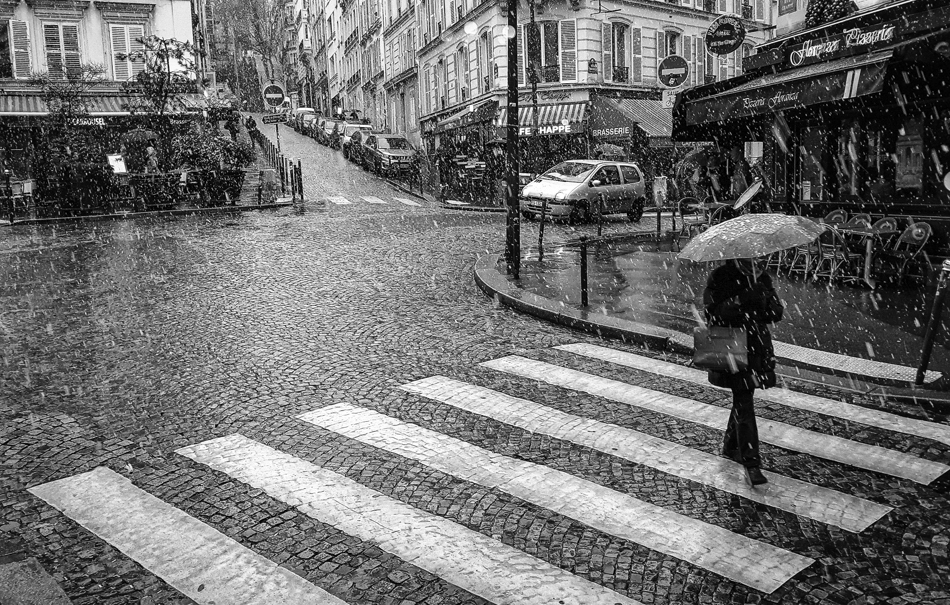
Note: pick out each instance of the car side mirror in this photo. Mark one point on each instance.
(596, 183)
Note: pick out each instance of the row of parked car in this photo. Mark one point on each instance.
(382, 153)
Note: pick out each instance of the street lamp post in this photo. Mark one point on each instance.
(8, 191)
(513, 223)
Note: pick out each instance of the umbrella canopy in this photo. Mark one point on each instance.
(139, 135)
(750, 236)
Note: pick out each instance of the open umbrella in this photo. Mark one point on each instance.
(139, 135)
(751, 236)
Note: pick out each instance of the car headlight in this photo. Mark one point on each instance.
(560, 195)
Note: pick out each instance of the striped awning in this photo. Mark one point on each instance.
(32, 104)
(559, 118)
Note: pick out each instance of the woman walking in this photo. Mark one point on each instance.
(739, 294)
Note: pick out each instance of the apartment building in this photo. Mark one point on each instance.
(401, 40)
(595, 64)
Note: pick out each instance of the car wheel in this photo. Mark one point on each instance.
(636, 213)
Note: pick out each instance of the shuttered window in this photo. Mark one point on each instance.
(519, 65)
(62, 49)
(568, 29)
(606, 55)
(688, 55)
(760, 10)
(18, 47)
(636, 49)
(126, 39)
(660, 50)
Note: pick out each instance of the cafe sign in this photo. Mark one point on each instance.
(725, 35)
(853, 39)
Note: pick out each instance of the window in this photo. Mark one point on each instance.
(14, 49)
(608, 175)
(746, 52)
(126, 39)
(672, 43)
(543, 52)
(630, 174)
(461, 73)
(62, 49)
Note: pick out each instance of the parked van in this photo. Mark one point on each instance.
(574, 190)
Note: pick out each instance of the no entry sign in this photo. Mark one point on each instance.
(673, 71)
(273, 95)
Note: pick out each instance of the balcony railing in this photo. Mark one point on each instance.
(621, 74)
(747, 12)
(551, 73)
(711, 6)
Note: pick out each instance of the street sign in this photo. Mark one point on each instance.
(725, 35)
(273, 95)
(272, 118)
(673, 71)
(669, 98)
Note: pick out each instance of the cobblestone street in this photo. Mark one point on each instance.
(321, 406)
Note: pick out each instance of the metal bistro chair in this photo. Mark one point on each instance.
(907, 250)
(835, 259)
(837, 217)
(858, 220)
(693, 220)
(804, 258)
(890, 225)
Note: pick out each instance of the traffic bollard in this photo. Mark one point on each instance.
(934, 324)
(600, 217)
(300, 180)
(584, 270)
(544, 210)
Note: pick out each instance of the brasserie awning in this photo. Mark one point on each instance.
(555, 118)
(612, 119)
(841, 79)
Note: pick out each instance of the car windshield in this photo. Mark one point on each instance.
(393, 143)
(351, 129)
(569, 171)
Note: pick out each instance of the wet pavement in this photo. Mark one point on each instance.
(645, 282)
(278, 387)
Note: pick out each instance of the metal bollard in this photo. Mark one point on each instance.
(600, 217)
(933, 325)
(659, 231)
(544, 210)
(300, 180)
(584, 270)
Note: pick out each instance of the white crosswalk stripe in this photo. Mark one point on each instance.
(741, 559)
(339, 200)
(194, 558)
(860, 455)
(803, 401)
(468, 559)
(818, 503)
(372, 199)
(407, 201)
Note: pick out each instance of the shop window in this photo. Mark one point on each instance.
(810, 181)
(909, 154)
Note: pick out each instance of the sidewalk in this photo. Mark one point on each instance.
(641, 298)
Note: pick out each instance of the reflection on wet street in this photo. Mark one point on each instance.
(645, 282)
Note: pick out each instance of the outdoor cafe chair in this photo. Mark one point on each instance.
(836, 217)
(887, 225)
(858, 220)
(906, 251)
(803, 259)
(835, 259)
(693, 220)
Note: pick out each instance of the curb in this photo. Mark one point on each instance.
(118, 216)
(406, 190)
(499, 287)
(470, 208)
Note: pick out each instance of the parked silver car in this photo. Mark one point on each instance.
(574, 190)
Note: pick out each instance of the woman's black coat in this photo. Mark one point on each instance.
(732, 299)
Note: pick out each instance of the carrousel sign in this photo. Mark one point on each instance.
(725, 35)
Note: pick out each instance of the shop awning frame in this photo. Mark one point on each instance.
(841, 79)
(615, 118)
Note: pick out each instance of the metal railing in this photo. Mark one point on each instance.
(621, 74)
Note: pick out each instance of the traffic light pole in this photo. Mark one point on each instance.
(513, 223)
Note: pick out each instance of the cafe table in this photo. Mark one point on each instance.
(871, 237)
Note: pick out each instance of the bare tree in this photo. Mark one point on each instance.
(67, 96)
(258, 25)
(169, 68)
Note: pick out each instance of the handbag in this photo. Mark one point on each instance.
(721, 349)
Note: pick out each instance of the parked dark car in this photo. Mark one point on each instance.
(346, 134)
(307, 123)
(387, 154)
(330, 136)
(355, 149)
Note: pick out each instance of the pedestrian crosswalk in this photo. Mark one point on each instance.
(209, 567)
(340, 200)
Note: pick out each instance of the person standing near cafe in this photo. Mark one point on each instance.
(740, 294)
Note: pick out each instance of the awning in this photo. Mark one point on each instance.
(616, 118)
(30, 104)
(473, 114)
(847, 78)
(559, 118)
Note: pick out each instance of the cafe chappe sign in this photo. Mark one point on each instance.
(812, 51)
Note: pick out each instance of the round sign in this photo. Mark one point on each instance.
(273, 95)
(673, 71)
(725, 35)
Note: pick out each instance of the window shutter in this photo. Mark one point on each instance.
(136, 35)
(722, 67)
(722, 6)
(20, 34)
(568, 50)
(688, 54)
(54, 53)
(739, 62)
(71, 58)
(636, 49)
(660, 50)
(452, 14)
(120, 67)
(760, 10)
(450, 79)
(607, 56)
(519, 65)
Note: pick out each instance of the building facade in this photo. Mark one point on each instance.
(401, 82)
